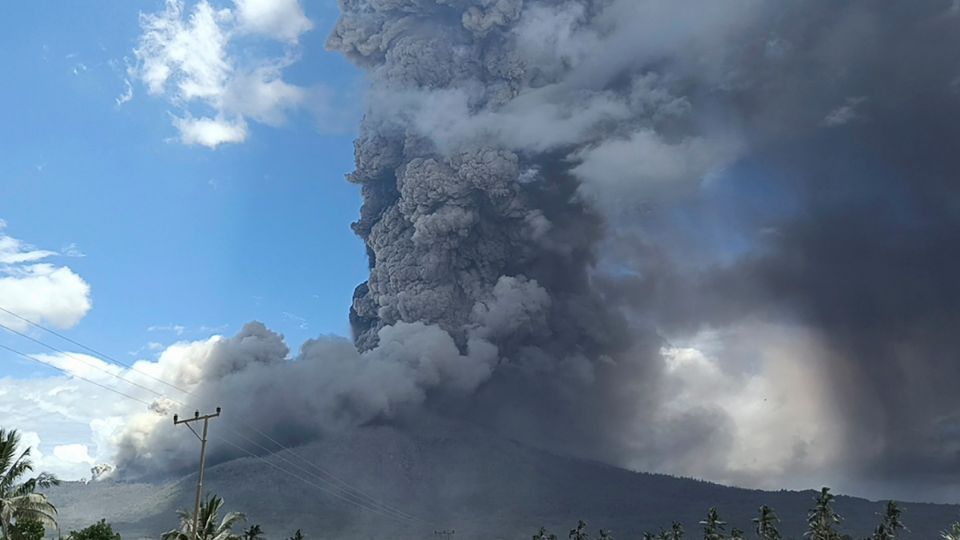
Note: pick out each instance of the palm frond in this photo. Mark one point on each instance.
(9, 442)
(174, 535)
(21, 466)
(230, 520)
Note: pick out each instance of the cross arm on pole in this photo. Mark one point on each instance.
(196, 417)
(203, 448)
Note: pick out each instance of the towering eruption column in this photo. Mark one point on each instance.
(463, 229)
(474, 218)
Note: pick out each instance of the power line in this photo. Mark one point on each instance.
(80, 358)
(203, 459)
(251, 454)
(382, 507)
(23, 418)
(327, 490)
(105, 387)
(88, 349)
(324, 476)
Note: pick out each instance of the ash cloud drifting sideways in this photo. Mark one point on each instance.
(327, 386)
(706, 238)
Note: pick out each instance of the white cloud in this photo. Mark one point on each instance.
(845, 113)
(13, 251)
(189, 53)
(55, 411)
(68, 461)
(210, 132)
(39, 291)
(73, 453)
(82, 365)
(301, 322)
(127, 94)
(185, 54)
(177, 329)
(72, 250)
(72, 424)
(263, 96)
(280, 19)
(765, 381)
(645, 167)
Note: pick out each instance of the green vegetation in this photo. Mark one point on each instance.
(822, 522)
(27, 529)
(580, 532)
(822, 518)
(100, 530)
(253, 532)
(542, 534)
(713, 526)
(953, 533)
(24, 513)
(765, 524)
(891, 525)
(21, 507)
(209, 528)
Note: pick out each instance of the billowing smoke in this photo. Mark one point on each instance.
(328, 386)
(711, 238)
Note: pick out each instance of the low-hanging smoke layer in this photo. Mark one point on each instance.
(559, 192)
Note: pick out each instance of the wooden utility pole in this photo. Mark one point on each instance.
(203, 455)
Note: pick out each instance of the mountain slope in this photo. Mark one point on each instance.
(479, 485)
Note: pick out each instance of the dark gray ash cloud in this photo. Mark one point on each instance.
(629, 224)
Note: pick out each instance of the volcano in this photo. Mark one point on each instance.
(466, 480)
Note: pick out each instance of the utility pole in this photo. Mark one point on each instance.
(203, 455)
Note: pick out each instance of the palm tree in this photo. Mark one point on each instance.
(605, 535)
(18, 499)
(951, 534)
(209, 529)
(298, 535)
(713, 525)
(27, 529)
(822, 517)
(253, 532)
(542, 534)
(766, 524)
(580, 533)
(891, 523)
(736, 534)
(676, 531)
(881, 533)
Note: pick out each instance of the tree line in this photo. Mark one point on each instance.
(25, 514)
(822, 524)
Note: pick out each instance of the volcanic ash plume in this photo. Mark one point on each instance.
(480, 243)
(482, 166)
(708, 238)
(638, 171)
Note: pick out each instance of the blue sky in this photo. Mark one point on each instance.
(175, 240)
(173, 235)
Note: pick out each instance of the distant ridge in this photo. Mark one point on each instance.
(482, 486)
